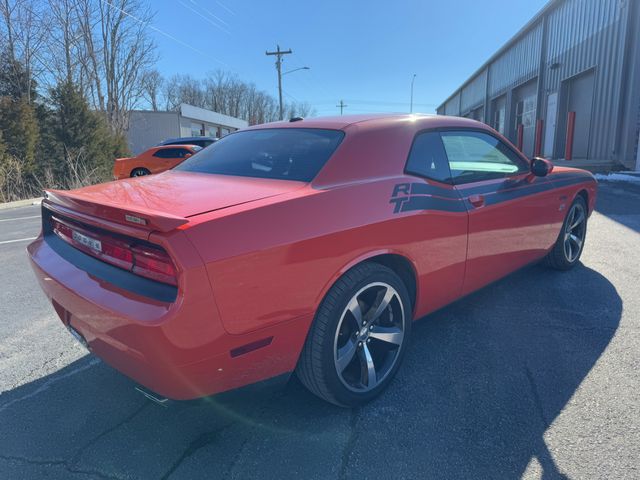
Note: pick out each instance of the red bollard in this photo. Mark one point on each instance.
(538, 147)
(571, 126)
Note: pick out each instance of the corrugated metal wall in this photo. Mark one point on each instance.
(147, 129)
(518, 64)
(474, 92)
(586, 34)
(571, 37)
(452, 107)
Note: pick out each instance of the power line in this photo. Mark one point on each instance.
(209, 12)
(290, 96)
(226, 8)
(162, 32)
(205, 18)
(342, 106)
(279, 54)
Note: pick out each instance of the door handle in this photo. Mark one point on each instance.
(476, 200)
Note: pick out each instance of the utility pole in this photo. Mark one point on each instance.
(279, 54)
(411, 106)
(342, 106)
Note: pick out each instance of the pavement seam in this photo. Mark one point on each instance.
(198, 443)
(76, 456)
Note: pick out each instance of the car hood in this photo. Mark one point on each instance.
(183, 194)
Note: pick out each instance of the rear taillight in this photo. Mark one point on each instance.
(145, 260)
(153, 263)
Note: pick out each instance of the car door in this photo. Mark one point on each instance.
(511, 212)
(440, 228)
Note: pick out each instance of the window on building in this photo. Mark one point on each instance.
(197, 129)
(475, 156)
(224, 131)
(526, 112)
(428, 159)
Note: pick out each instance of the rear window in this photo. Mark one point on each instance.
(279, 153)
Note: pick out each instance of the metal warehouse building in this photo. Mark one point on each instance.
(566, 87)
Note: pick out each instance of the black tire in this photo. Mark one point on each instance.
(558, 258)
(318, 364)
(139, 172)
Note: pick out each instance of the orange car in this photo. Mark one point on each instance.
(154, 160)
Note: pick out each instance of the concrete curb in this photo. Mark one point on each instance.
(20, 203)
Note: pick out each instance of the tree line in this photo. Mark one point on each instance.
(221, 92)
(71, 71)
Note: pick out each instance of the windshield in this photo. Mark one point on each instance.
(279, 153)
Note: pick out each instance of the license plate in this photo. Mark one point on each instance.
(92, 243)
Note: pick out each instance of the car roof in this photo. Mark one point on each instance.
(341, 122)
(188, 139)
(177, 145)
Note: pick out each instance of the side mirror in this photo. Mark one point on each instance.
(187, 155)
(541, 167)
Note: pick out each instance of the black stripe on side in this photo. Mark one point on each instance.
(426, 189)
(423, 202)
(486, 189)
(498, 197)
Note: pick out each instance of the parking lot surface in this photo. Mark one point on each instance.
(536, 376)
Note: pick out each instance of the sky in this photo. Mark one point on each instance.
(364, 52)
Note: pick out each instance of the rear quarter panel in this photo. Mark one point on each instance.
(276, 261)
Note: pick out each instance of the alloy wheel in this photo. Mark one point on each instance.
(574, 232)
(369, 337)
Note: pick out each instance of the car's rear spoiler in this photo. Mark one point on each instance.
(135, 221)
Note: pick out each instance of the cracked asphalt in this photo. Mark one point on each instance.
(536, 376)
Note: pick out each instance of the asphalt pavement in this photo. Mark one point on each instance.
(536, 376)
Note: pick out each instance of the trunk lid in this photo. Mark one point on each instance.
(164, 201)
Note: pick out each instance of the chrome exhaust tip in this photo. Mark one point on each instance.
(155, 398)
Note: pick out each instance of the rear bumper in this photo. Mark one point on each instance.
(179, 350)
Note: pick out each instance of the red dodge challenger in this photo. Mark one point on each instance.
(307, 246)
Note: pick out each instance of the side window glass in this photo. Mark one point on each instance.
(476, 156)
(427, 158)
(160, 153)
(171, 153)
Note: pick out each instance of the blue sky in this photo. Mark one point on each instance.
(364, 52)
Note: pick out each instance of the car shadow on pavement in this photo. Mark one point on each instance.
(483, 380)
(620, 201)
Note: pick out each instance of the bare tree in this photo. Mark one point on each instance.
(119, 52)
(152, 83)
(7, 10)
(25, 32)
(184, 89)
(67, 48)
(227, 94)
(299, 109)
